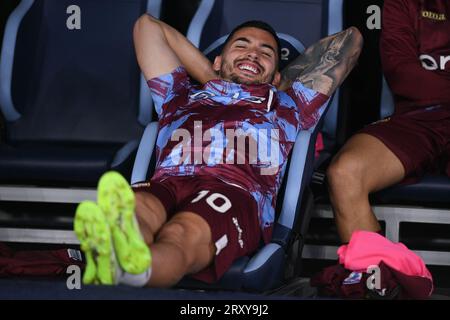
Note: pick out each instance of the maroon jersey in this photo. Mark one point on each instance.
(415, 52)
(239, 134)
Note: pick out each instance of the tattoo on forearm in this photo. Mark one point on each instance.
(325, 65)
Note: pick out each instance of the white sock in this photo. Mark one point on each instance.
(135, 280)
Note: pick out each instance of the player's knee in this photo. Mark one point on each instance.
(345, 173)
(150, 214)
(172, 232)
(186, 231)
(187, 234)
(145, 204)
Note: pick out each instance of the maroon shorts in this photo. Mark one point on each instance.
(231, 212)
(420, 139)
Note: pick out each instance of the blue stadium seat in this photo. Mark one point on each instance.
(71, 92)
(299, 23)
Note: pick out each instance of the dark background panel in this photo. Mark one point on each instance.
(361, 98)
(6, 7)
(361, 91)
(178, 13)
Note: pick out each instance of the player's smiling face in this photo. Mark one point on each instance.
(250, 57)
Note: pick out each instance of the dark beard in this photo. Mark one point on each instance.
(235, 78)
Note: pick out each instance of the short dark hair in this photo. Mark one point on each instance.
(259, 25)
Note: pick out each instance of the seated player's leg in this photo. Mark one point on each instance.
(216, 224)
(150, 214)
(399, 149)
(184, 245)
(363, 165)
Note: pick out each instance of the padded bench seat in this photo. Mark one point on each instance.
(430, 189)
(60, 162)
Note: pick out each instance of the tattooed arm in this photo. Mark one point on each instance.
(325, 64)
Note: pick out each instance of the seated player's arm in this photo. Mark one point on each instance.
(160, 49)
(325, 64)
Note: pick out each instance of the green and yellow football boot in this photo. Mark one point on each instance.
(93, 232)
(117, 202)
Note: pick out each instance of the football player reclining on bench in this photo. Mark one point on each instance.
(209, 202)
